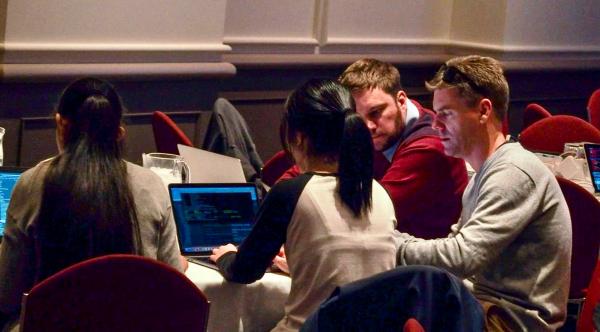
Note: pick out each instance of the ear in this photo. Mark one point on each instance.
(61, 122)
(401, 98)
(300, 141)
(62, 126)
(121, 133)
(485, 110)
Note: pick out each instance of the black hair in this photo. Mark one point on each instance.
(87, 207)
(324, 111)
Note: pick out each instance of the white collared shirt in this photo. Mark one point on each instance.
(412, 114)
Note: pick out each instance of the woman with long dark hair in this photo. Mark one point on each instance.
(335, 222)
(85, 202)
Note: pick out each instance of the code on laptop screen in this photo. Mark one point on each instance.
(209, 217)
(8, 179)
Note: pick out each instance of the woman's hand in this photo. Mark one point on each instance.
(220, 251)
(280, 261)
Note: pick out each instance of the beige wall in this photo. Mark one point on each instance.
(202, 31)
(559, 29)
(112, 31)
(488, 16)
(553, 25)
(180, 55)
(533, 29)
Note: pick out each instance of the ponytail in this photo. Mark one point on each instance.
(87, 206)
(355, 165)
(324, 111)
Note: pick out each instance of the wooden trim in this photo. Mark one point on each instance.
(122, 71)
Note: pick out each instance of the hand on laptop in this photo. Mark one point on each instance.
(220, 251)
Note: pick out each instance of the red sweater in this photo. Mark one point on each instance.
(426, 186)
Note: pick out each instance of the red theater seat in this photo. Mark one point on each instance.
(275, 167)
(585, 220)
(593, 109)
(585, 324)
(167, 134)
(551, 134)
(534, 113)
(115, 293)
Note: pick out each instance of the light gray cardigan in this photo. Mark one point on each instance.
(513, 240)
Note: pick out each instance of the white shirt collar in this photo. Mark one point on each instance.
(412, 114)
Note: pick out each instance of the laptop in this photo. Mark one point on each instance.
(208, 215)
(209, 167)
(8, 179)
(592, 156)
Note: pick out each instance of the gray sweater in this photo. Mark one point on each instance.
(513, 241)
(17, 254)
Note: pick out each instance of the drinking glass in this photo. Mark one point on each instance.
(171, 168)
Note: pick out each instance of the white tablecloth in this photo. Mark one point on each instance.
(574, 169)
(235, 307)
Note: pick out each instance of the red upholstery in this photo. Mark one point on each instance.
(413, 325)
(585, 324)
(167, 134)
(115, 293)
(275, 167)
(551, 134)
(534, 113)
(585, 220)
(593, 108)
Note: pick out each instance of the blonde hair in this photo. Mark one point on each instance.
(370, 74)
(475, 77)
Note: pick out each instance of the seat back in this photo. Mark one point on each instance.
(167, 134)
(115, 293)
(275, 167)
(438, 300)
(585, 323)
(505, 125)
(584, 209)
(413, 325)
(593, 108)
(534, 113)
(551, 134)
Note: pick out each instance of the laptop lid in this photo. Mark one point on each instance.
(209, 167)
(208, 215)
(8, 179)
(592, 155)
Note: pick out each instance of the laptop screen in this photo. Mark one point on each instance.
(210, 215)
(592, 155)
(8, 179)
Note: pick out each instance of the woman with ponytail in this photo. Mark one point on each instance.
(85, 202)
(335, 222)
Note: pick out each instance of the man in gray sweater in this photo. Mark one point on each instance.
(512, 244)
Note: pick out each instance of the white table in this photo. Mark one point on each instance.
(236, 307)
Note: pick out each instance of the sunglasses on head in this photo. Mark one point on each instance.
(453, 75)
